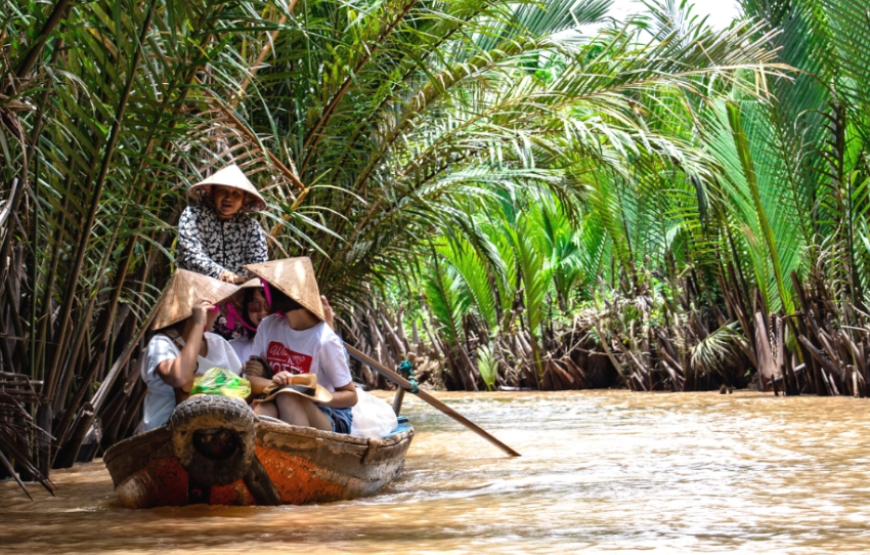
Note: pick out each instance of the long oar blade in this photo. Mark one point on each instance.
(406, 385)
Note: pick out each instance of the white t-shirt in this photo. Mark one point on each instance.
(317, 350)
(160, 399)
(243, 347)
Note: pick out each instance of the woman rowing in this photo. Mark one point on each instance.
(217, 235)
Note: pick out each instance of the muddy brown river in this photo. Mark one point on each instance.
(607, 471)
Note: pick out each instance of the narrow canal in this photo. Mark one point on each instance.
(601, 471)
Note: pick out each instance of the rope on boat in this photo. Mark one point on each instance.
(407, 370)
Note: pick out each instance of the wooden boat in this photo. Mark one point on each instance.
(215, 450)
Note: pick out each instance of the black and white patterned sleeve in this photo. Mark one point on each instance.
(259, 251)
(191, 251)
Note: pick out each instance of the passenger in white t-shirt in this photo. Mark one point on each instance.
(295, 341)
(183, 348)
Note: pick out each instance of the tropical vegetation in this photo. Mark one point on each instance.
(525, 194)
(677, 259)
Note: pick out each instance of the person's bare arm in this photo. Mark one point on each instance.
(343, 397)
(258, 384)
(179, 371)
(328, 313)
(254, 372)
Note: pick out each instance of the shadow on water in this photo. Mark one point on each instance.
(600, 471)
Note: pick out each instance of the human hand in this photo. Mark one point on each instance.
(229, 277)
(328, 313)
(254, 368)
(200, 311)
(282, 378)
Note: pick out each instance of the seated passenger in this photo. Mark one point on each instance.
(297, 340)
(182, 346)
(246, 316)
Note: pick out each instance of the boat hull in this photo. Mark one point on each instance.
(291, 465)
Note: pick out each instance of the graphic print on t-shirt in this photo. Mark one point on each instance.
(282, 359)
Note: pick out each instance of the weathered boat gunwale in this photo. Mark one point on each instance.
(346, 467)
(121, 458)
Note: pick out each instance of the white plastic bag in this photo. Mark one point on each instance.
(372, 417)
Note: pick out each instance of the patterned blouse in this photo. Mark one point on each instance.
(211, 246)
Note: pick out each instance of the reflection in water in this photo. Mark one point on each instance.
(601, 471)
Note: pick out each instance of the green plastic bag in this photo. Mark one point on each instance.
(219, 381)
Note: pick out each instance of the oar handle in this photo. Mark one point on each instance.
(406, 385)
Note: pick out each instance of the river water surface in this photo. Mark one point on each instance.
(607, 471)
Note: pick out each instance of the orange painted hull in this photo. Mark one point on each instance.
(296, 465)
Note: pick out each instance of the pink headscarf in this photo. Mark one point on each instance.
(268, 293)
(234, 317)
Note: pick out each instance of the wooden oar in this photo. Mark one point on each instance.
(406, 385)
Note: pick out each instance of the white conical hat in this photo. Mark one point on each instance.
(231, 176)
(185, 289)
(295, 278)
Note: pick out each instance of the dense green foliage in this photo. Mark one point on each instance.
(661, 242)
(658, 240)
(487, 169)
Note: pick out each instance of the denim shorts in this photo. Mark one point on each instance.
(341, 418)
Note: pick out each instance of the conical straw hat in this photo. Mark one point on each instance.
(185, 290)
(238, 297)
(295, 278)
(231, 176)
(253, 283)
(304, 385)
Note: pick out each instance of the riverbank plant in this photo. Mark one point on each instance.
(682, 264)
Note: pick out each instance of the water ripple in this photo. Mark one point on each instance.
(604, 471)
